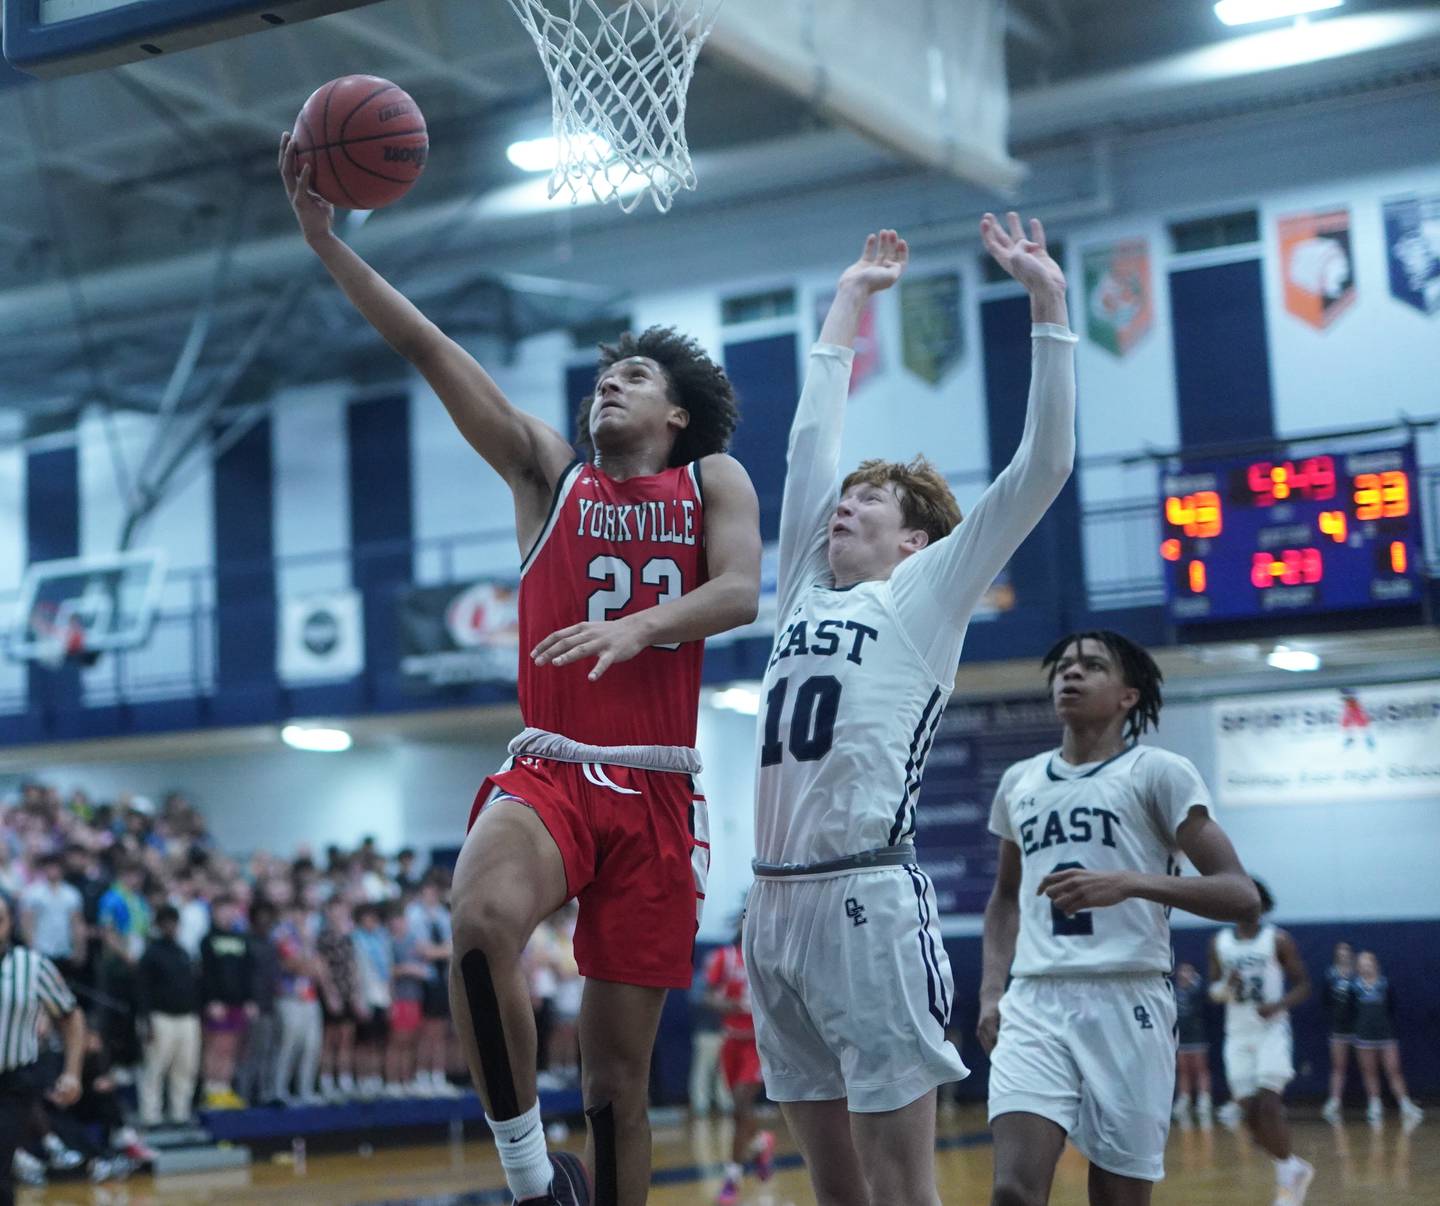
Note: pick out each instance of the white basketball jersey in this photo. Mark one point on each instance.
(847, 716)
(1118, 815)
(1262, 979)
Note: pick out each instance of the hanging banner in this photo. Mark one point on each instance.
(1317, 265)
(867, 360)
(1339, 745)
(1119, 306)
(322, 637)
(1412, 247)
(458, 635)
(932, 332)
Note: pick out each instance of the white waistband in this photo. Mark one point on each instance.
(538, 743)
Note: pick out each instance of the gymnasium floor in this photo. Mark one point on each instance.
(1355, 1165)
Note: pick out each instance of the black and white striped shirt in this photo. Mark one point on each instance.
(28, 982)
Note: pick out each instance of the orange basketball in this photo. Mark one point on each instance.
(364, 139)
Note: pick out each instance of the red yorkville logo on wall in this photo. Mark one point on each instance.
(1317, 265)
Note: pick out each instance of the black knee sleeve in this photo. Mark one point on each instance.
(602, 1129)
(489, 1035)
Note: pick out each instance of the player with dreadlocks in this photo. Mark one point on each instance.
(1082, 1043)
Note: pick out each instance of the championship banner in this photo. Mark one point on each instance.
(458, 635)
(973, 747)
(867, 360)
(932, 333)
(1119, 305)
(322, 637)
(1341, 745)
(1317, 266)
(1412, 247)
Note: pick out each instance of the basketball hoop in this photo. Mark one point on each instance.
(618, 82)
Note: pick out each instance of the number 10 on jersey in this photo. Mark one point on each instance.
(812, 720)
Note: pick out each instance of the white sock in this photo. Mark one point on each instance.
(1183, 1101)
(734, 1172)
(1202, 1101)
(1288, 1169)
(520, 1141)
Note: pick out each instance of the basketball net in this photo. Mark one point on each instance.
(618, 82)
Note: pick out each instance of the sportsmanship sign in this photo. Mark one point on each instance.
(1344, 744)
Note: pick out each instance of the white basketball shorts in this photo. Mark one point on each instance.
(851, 988)
(1096, 1056)
(1259, 1059)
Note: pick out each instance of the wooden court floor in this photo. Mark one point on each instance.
(1355, 1165)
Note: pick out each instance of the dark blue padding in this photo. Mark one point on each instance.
(245, 623)
(1222, 361)
(766, 380)
(381, 532)
(52, 531)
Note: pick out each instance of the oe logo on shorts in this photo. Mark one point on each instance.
(855, 910)
(1142, 1015)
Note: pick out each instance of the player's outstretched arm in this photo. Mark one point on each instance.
(1002, 928)
(728, 599)
(1297, 976)
(528, 454)
(1222, 891)
(813, 457)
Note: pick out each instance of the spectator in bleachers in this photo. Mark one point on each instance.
(124, 922)
(190, 897)
(340, 999)
(52, 918)
(428, 917)
(407, 992)
(405, 877)
(168, 1000)
(375, 964)
(297, 1007)
(376, 885)
(255, 1081)
(227, 993)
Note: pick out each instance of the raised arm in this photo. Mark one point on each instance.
(529, 454)
(939, 587)
(813, 458)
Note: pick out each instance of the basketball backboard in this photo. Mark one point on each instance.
(85, 605)
(64, 37)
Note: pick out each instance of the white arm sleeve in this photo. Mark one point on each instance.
(936, 590)
(812, 474)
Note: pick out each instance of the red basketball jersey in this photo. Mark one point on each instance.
(725, 974)
(608, 549)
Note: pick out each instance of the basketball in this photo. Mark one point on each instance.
(364, 139)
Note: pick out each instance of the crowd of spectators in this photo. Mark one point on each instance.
(219, 980)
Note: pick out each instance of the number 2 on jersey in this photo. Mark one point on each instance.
(658, 571)
(1070, 927)
(812, 723)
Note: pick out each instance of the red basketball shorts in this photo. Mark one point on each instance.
(636, 848)
(740, 1062)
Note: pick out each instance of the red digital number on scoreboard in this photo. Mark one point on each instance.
(1382, 495)
(1289, 567)
(1272, 482)
(1197, 514)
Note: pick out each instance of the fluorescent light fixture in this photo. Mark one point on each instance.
(316, 740)
(1282, 657)
(1247, 12)
(745, 700)
(541, 154)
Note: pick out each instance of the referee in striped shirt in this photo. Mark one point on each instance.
(29, 982)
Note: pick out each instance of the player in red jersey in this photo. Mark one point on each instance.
(729, 996)
(629, 562)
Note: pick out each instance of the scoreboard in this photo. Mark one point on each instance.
(1272, 536)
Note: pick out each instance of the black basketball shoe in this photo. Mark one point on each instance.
(569, 1184)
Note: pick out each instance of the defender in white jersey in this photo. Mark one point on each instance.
(1249, 967)
(851, 988)
(1082, 1043)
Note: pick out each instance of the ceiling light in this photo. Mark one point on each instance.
(541, 154)
(1247, 12)
(1282, 657)
(317, 740)
(745, 700)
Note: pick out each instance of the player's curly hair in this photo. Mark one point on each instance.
(694, 381)
(926, 501)
(1136, 666)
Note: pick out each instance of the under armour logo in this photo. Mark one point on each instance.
(1142, 1015)
(855, 910)
(1027, 803)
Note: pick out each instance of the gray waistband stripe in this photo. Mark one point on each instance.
(538, 743)
(866, 860)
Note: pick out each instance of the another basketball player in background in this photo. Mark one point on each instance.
(1192, 1061)
(1082, 1042)
(629, 562)
(729, 996)
(1249, 967)
(877, 581)
(1340, 1022)
(1375, 1041)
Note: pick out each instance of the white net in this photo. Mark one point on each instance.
(619, 74)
